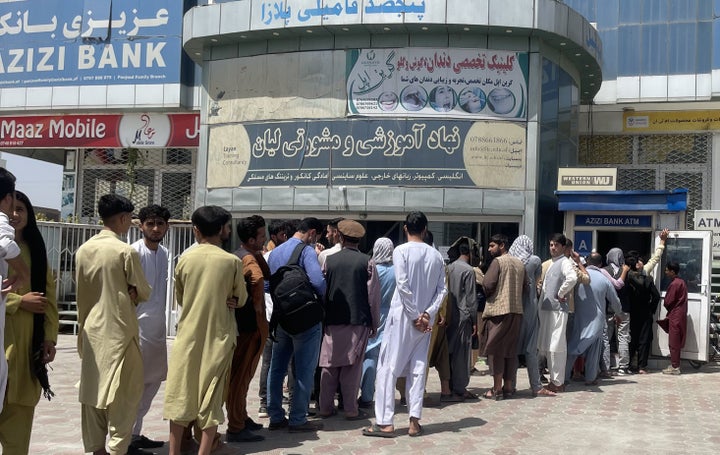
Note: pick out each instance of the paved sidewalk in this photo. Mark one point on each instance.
(648, 414)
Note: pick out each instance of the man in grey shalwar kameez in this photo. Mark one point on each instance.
(586, 337)
(463, 318)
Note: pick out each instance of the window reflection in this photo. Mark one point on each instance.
(688, 253)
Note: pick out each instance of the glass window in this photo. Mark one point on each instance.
(629, 59)
(688, 253)
(705, 10)
(705, 47)
(584, 7)
(681, 38)
(607, 16)
(630, 11)
(654, 46)
(716, 39)
(683, 10)
(610, 54)
(654, 11)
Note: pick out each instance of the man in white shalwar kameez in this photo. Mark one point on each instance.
(151, 315)
(420, 289)
(559, 283)
(110, 283)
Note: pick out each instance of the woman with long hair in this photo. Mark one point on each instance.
(31, 329)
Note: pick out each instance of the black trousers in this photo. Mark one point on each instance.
(641, 336)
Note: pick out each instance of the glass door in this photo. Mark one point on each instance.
(692, 250)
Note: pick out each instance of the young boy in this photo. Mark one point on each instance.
(209, 285)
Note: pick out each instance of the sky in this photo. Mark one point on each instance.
(41, 181)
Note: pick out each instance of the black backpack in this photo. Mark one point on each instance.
(296, 306)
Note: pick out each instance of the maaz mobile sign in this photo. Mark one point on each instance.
(90, 42)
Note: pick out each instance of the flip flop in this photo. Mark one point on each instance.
(418, 433)
(377, 432)
(361, 415)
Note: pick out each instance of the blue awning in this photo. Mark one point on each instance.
(616, 201)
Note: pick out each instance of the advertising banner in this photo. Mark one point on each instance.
(419, 82)
(663, 121)
(90, 42)
(368, 153)
(141, 130)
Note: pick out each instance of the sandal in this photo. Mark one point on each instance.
(468, 395)
(377, 432)
(543, 392)
(491, 394)
(419, 432)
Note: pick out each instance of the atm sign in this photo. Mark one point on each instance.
(614, 220)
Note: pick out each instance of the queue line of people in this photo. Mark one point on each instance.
(387, 318)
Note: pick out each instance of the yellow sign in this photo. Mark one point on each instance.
(637, 122)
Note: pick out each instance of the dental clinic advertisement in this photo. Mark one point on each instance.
(421, 82)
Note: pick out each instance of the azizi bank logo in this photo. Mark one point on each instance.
(144, 130)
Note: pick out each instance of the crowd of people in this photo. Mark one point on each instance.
(332, 325)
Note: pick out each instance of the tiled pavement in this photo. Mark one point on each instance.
(649, 414)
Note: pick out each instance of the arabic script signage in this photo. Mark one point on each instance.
(671, 121)
(296, 12)
(86, 42)
(142, 130)
(356, 152)
(469, 83)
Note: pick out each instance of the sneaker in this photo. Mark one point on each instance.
(143, 442)
(251, 425)
(305, 427)
(243, 436)
(623, 372)
(278, 425)
(262, 412)
(671, 370)
(544, 379)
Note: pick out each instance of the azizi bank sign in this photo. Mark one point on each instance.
(90, 42)
(146, 130)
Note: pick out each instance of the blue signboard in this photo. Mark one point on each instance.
(583, 242)
(628, 221)
(90, 42)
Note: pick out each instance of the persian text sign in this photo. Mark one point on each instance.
(142, 130)
(671, 121)
(368, 152)
(469, 83)
(85, 42)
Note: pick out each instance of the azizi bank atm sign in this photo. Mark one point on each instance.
(143, 130)
(89, 42)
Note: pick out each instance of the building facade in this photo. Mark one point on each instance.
(655, 117)
(370, 110)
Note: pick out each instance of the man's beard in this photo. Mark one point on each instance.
(150, 239)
